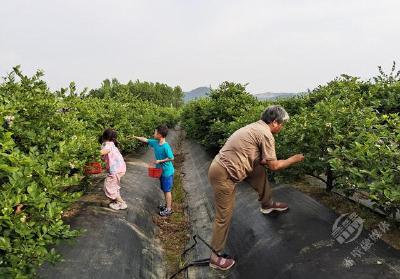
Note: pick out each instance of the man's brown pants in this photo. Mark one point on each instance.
(224, 198)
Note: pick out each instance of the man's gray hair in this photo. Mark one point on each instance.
(275, 113)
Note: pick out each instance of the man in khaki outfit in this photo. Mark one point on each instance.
(244, 157)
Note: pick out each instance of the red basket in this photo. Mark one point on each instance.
(93, 168)
(154, 172)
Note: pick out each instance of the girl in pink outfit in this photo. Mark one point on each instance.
(115, 166)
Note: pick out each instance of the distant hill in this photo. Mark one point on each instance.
(271, 95)
(204, 91)
(196, 93)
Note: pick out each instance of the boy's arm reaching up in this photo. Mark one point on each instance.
(142, 139)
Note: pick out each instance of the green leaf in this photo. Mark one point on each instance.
(4, 243)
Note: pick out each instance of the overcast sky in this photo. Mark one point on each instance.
(278, 46)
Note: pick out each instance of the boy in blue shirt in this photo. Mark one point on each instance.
(164, 157)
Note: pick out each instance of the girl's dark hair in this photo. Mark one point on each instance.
(162, 130)
(110, 135)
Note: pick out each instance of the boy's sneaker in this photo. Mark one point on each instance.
(166, 212)
(162, 207)
(222, 263)
(118, 205)
(278, 206)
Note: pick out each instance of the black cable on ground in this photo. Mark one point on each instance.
(202, 262)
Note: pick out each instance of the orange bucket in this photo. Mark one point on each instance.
(93, 168)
